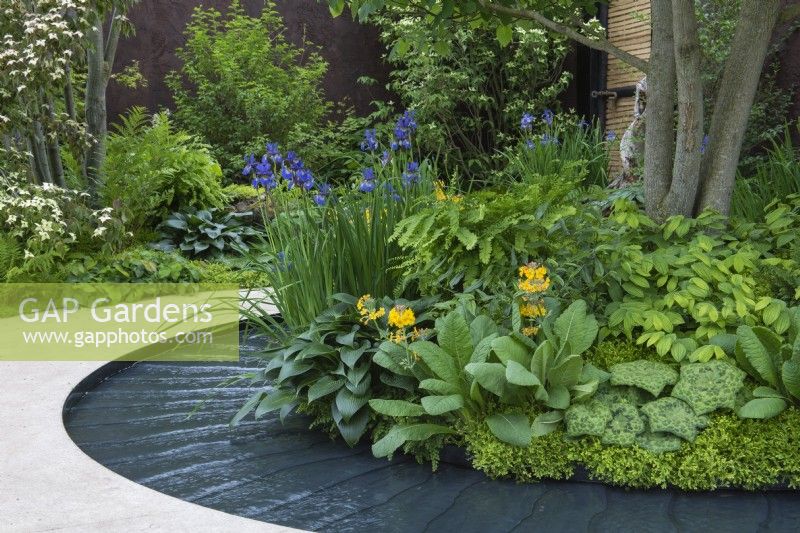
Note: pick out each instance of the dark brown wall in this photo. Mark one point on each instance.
(352, 50)
(789, 74)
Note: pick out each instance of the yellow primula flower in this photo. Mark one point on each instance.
(530, 331)
(532, 310)
(401, 317)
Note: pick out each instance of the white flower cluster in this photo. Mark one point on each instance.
(37, 42)
(36, 216)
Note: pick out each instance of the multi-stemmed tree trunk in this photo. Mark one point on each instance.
(100, 61)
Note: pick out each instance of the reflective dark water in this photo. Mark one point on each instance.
(135, 423)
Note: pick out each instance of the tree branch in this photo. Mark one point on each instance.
(598, 44)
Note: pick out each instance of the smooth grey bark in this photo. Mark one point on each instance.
(95, 105)
(680, 199)
(659, 138)
(737, 91)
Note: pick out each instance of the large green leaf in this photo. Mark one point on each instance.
(509, 349)
(758, 346)
(396, 408)
(519, 375)
(547, 422)
(352, 429)
(762, 408)
(438, 386)
(567, 373)
(274, 401)
(348, 403)
(248, 407)
(324, 386)
(454, 337)
(490, 376)
(439, 405)
(575, 326)
(439, 361)
(480, 328)
(514, 429)
(791, 377)
(399, 435)
(542, 359)
(483, 349)
(651, 376)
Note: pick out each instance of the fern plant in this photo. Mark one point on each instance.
(10, 254)
(153, 170)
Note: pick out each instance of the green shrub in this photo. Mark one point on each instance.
(243, 83)
(608, 353)
(235, 193)
(484, 236)
(152, 170)
(469, 98)
(214, 272)
(137, 265)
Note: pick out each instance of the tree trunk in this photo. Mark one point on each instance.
(95, 108)
(659, 133)
(680, 199)
(736, 94)
(54, 149)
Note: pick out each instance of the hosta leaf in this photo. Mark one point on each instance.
(399, 435)
(762, 408)
(353, 429)
(439, 405)
(396, 408)
(324, 386)
(348, 403)
(247, 408)
(519, 375)
(514, 429)
(274, 401)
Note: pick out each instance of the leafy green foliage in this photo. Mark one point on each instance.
(10, 254)
(671, 415)
(707, 387)
(152, 170)
(243, 83)
(772, 362)
(206, 232)
(484, 237)
(470, 94)
(647, 375)
(136, 265)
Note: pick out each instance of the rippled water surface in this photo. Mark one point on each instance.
(135, 423)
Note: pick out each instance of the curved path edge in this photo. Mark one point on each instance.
(49, 484)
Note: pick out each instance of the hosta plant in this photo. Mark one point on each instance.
(331, 363)
(206, 232)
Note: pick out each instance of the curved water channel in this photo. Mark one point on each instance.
(134, 422)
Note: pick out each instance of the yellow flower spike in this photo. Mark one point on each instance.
(401, 316)
(530, 331)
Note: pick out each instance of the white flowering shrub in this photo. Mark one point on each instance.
(52, 224)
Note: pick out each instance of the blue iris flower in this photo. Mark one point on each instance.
(583, 124)
(405, 126)
(368, 173)
(324, 189)
(249, 163)
(366, 186)
(385, 158)
(411, 175)
(547, 116)
(286, 173)
(611, 136)
(319, 199)
(527, 122)
(530, 144)
(370, 142)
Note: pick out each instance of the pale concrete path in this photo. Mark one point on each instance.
(48, 484)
